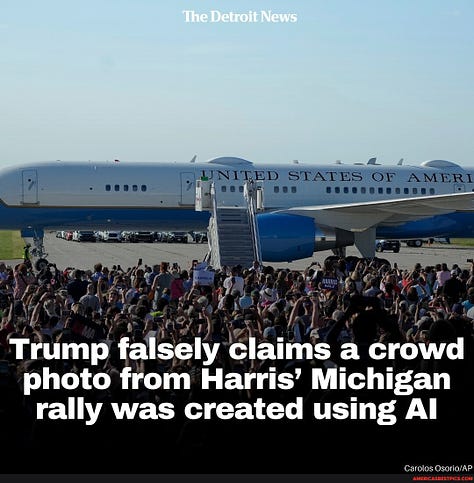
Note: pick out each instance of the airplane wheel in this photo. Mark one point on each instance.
(418, 243)
(379, 248)
(41, 263)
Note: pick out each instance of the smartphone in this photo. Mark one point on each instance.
(140, 261)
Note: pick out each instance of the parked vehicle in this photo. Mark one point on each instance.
(138, 236)
(384, 245)
(419, 242)
(199, 236)
(159, 236)
(177, 237)
(110, 236)
(82, 236)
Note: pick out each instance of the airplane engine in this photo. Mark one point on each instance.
(285, 237)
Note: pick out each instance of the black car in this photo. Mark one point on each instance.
(82, 236)
(384, 245)
(177, 237)
(141, 236)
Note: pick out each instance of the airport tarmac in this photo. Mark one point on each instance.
(85, 254)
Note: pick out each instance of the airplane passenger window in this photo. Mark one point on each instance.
(143, 187)
(415, 191)
(108, 187)
(354, 190)
(135, 187)
(389, 191)
(276, 189)
(337, 189)
(328, 189)
(232, 189)
(380, 190)
(432, 191)
(363, 190)
(293, 189)
(423, 191)
(406, 191)
(285, 189)
(117, 187)
(125, 187)
(397, 190)
(241, 189)
(224, 189)
(371, 191)
(346, 189)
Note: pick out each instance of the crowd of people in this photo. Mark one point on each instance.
(336, 301)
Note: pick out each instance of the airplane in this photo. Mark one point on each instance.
(355, 203)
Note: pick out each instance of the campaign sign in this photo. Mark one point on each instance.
(329, 283)
(203, 277)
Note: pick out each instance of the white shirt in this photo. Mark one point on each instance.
(237, 284)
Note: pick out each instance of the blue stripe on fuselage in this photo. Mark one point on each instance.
(460, 225)
(184, 219)
(102, 218)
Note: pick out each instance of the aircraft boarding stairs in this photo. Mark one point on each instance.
(233, 231)
(231, 227)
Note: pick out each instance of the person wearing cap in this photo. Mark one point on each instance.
(269, 334)
(457, 309)
(203, 303)
(314, 336)
(268, 295)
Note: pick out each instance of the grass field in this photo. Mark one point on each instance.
(11, 245)
(463, 242)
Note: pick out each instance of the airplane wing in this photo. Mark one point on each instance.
(358, 217)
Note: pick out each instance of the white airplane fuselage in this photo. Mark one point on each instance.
(161, 196)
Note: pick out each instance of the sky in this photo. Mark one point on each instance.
(131, 80)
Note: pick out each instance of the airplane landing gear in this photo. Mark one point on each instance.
(35, 238)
